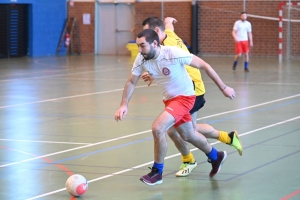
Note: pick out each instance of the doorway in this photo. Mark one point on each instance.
(115, 26)
(13, 30)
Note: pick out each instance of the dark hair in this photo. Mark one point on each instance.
(243, 12)
(150, 35)
(154, 22)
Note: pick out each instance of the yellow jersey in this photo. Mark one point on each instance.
(173, 40)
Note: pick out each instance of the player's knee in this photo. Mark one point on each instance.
(185, 137)
(174, 135)
(157, 131)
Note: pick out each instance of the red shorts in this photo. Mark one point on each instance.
(241, 47)
(179, 107)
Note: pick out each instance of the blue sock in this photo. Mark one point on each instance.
(235, 63)
(158, 166)
(246, 65)
(213, 155)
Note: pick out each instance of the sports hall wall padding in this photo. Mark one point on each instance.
(46, 23)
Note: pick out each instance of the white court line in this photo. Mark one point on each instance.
(257, 105)
(256, 83)
(81, 95)
(168, 157)
(57, 75)
(63, 72)
(75, 96)
(139, 133)
(51, 142)
(73, 149)
(69, 97)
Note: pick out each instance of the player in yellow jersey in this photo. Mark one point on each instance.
(168, 37)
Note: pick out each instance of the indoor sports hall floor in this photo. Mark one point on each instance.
(57, 118)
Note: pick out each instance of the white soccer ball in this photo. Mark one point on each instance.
(76, 185)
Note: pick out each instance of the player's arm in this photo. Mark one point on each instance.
(201, 64)
(127, 94)
(234, 35)
(233, 32)
(250, 38)
(169, 21)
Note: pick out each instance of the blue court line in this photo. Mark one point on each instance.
(143, 140)
(252, 112)
(261, 166)
(99, 151)
(264, 165)
(43, 165)
(268, 163)
(147, 139)
(62, 115)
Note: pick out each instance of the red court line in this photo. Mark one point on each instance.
(45, 159)
(290, 195)
(62, 167)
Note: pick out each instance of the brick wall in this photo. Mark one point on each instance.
(216, 22)
(265, 32)
(87, 32)
(179, 10)
(216, 19)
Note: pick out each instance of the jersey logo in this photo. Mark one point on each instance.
(166, 71)
(179, 43)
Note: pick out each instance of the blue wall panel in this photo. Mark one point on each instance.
(46, 23)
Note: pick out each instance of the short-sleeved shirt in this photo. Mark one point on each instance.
(242, 28)
(168, 70)
(195, 74)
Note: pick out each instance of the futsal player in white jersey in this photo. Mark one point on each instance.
(168, 37)
(242, 35)
(166, 65)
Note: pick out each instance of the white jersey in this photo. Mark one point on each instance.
(242, 28)
(168, 70)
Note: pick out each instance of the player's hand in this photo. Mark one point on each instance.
(170, 20)
(229, 92)
(146, 77)
(120, 113)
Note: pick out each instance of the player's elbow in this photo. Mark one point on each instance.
(206, 66)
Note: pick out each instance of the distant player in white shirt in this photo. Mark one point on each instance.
(242, 35)
(166, 65)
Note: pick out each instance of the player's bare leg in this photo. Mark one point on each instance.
(159, 128)
(208, 131)
(188, 134)
(246, 69)
(216, 158)
(188, 161)
(236, 60)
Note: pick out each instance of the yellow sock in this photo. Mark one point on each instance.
(224, 137)
(188, 158)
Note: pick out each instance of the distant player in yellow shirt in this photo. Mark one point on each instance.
(168, 37)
